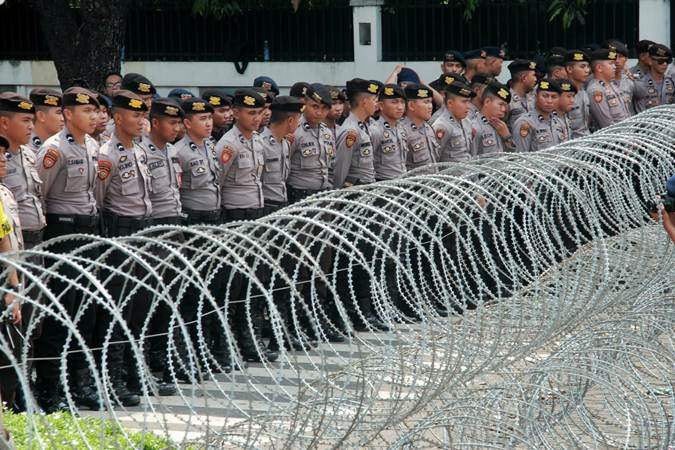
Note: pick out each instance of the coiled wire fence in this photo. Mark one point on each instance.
(559, 284)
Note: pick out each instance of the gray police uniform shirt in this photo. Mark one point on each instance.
(454, 136)
(474, 112)
(519, 106)
(277, 166)
(165, 179)
(422, 147)
(649, 93)
(562, 124)
(354, 159)
(606, 104)
(34, 143)
(68, 171)
(580, 115)
(533, 132)
(311, 153)
(389, 148)
(24, 181)
(627, 89)
(200, 178)
(123, 185)
(487, 142)
(636, 71)
(241, 161)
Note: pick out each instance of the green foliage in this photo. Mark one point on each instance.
(569, 11)
(59, 431)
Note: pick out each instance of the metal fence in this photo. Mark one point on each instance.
(423, 30)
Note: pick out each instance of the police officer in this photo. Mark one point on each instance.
(453, 129)
(67, 164)
(165, 174)
(622, 77)
(606, 102)
(313, 147)
(48, 116)
(643, 64)
(299, 90)
(492, 134)
(123, 194)
(222, 112)
(577, 66)
(445, 81)
(266, 112)
(494, 58)
(475, 63)
(478, 84)
(267, 83)
(387, 135)
(453, 63)
(555, 63)
(655, 87)
(539, 128)
(568, 92)
(337, 109)
(523, 80)
(420, 139)
(241, 156)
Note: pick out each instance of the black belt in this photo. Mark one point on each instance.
(32, 235)
(275, 204)
(168, 221)
(243, 213)
(304, 192)
(127, 221)
(74, 219)
(203, 216)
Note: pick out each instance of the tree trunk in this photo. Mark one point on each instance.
(85, 42)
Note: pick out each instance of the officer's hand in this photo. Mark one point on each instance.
(398, 68)
(501, 127)
(14, 307)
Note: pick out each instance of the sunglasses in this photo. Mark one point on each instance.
(662, 61)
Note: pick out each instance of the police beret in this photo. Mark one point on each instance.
(617, 46)
(643, 46)
(454, 56)
(245, 98)
(449, 78)
(336, 94)
(556, 51)
(287, 103)
(128, 100)
(499, 90)
(555, 57)
(390, 91)
(481, 78)
(299, 89)
(13, 102)
(565, 85)
(266, 83)
(475, 54)
(407, 75)
(417, 92)
(45, 97)
(180, 94)
(660, 51)
(268, 96)
(460, 88)
(576, 56)
(4, 143)
(547, 86)
(217, 98)
(138, 84)
(603, 54)
(590, 48)
(494, 52)
(521, 65)
(195, 105)
(359, 85)
(166, 107)
(319, 93)
(76, 96)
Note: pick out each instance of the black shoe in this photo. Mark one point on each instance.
(82, 391)
(122, 396)
(49, 396)
(376, 324)
(335, 337)
(162, 388)
(222, 364)
(185, 377)
(267, 355)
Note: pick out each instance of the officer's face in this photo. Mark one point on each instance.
(199, 125)
(82, 118)
(529, 79)
(17, 127)
(421, 108)
(392, 108)
(566, 102)
(222, 117)
(167, 128)
(547, 101)
(51, 119)
(131, 122)
(315, 112)
(336, 110)
(112, 84)
(620, 62)
(606, 68)
(102, 119)
(459, 106)
(3, 162)
(369, 104)
(248, 119)
(495, 108)
(147, 99)
(265, 116)
(451, 67)
(579, 71)
(493, 65)
(659, 65)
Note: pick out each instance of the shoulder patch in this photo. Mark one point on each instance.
(440, 133)
(524, 129)
(51, 156)
(226, 156)
(104, 168)
(597, 96)
(352, 137)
